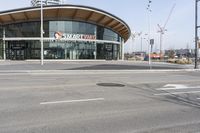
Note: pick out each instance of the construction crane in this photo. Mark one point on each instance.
(133, 36)
(162, 29)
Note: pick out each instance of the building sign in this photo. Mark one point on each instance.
(60, 35)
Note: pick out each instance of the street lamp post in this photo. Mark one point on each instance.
(196, 34)
(149, 30)
(141, 43)
(41, 35)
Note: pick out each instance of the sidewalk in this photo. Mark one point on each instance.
(88, 65)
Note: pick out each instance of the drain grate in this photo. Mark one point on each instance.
(110, 85)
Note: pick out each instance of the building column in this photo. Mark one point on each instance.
(95, 56)
(4, 44)
(95, 53)
(118, 51)
(122, 49)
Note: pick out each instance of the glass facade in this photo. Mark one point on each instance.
(108, 51)
(71, 27)
(1, 42)
(31, 29)
(1, 49)
(107, 34)
(70, 50)
(1, 32)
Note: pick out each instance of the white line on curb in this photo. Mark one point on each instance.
(72, 101)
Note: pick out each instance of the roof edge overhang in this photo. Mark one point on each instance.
(118, 25)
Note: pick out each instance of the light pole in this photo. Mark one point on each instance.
(41, 33)
(149, 30)
(196, 34)
(133, 35)
(140, 34)
(141, 43)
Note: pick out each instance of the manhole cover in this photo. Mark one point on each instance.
(110, 85)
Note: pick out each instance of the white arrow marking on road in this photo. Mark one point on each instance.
(175, 93)
(73, 101)
(176, 87)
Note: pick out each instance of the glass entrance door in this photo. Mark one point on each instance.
(16, 50)
(109, 52)
(17, 54)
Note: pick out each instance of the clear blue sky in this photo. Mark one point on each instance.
(180, 28)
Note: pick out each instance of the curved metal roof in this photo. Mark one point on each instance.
(70, 12)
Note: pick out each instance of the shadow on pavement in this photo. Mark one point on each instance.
(121, 67)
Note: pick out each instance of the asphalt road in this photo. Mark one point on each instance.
(99, 102)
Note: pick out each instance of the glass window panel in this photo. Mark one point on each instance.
(30, 29)
(106, 34)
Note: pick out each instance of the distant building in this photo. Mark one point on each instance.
(182, 52)
(46, 2)
(141, 54)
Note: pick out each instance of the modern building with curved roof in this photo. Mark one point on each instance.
(71, 32)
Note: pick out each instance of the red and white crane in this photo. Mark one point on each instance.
(162, 29)
(132, 37)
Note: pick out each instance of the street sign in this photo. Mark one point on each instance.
(151, 41)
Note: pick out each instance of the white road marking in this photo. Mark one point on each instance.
(163, 89)
(174, 93)
(198, 98)
(176, 87)
(72, 101)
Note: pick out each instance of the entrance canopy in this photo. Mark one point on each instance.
(68, 12)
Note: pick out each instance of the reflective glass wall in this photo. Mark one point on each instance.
(21, 50)
(32, 29)
(1, 42)
(1, 32)
(71, 50)
(71, 27)
(1, 49)
(107, 34)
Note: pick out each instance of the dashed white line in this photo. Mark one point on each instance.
(175, 93)
(72, 101)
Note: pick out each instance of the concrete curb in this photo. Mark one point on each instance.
(97, 71)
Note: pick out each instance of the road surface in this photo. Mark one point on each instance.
(99, 101)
